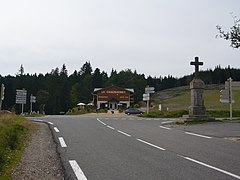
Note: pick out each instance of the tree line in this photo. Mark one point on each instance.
(57, 91)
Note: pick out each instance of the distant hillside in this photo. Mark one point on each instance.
(179, 98)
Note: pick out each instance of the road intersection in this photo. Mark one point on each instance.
(114, 147)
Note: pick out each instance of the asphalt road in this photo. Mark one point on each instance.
(108, 147)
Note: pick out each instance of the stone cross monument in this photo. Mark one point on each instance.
(197, 110)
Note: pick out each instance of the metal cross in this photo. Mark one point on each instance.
(196, 63)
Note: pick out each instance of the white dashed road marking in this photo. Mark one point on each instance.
(198, 135)
(124, 133)
(62, 142)
(101, 122)
(77, 170)
(164, 127)
(50, 123)
(166, 122)
(212, 167)
(111, 127)
(56, 129)
(150, 144)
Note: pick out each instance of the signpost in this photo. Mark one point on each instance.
(146, 96)
(2, 95)
(21, 97)
(227, 93)
(32, 100)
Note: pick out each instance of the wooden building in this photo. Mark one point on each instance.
(112, 97)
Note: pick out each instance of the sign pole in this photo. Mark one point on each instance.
(230, 96)
(147, 106)
(2, 95)
(22, 108)
(31, 104)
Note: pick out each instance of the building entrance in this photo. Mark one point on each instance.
(112, 105)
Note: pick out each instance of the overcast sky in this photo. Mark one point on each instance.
(154, 37)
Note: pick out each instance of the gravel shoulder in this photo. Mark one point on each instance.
(40, 159)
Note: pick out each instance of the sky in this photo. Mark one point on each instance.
(153, 37)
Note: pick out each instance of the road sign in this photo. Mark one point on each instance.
(225, 96)
(149, 90)
(146, 95)
(21, 96)
(33, 99)
(146, 98)
(235, 85)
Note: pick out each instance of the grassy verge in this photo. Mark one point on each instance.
(14, 133)
(188, 123)
(180, 113)
(165, 114)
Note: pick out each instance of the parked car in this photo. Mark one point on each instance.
(133, 111)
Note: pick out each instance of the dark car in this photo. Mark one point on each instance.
(133, 111)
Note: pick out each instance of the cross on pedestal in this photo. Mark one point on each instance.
(196, 63)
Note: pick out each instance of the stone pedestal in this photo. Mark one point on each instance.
(197, 110)
(197, 107)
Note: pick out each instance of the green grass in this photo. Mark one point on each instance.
(182, 101)
(189, 123)
(14, 132)
(165, 114)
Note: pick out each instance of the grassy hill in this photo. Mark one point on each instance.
(179, 98)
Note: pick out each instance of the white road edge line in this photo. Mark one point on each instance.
(164, 127)
(62, 142)
(56, 129)
(111, 127)
(124, 133)
(101, 122)
(77, 170)
(212, 167)
(199, 135)
(37, 120)
(166, 122)
(150, 144)
(50, 123)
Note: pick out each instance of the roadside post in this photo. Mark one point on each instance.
(21, 97)
(146, 96)
(32, 100)
(2, 95)
(227, 93)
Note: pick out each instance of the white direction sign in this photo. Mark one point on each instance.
(235, 85)
(33, 99)
(146, 97)
(225, 96)
(149, 90)
(21, 96)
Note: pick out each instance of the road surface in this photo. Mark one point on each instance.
(114, 147)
